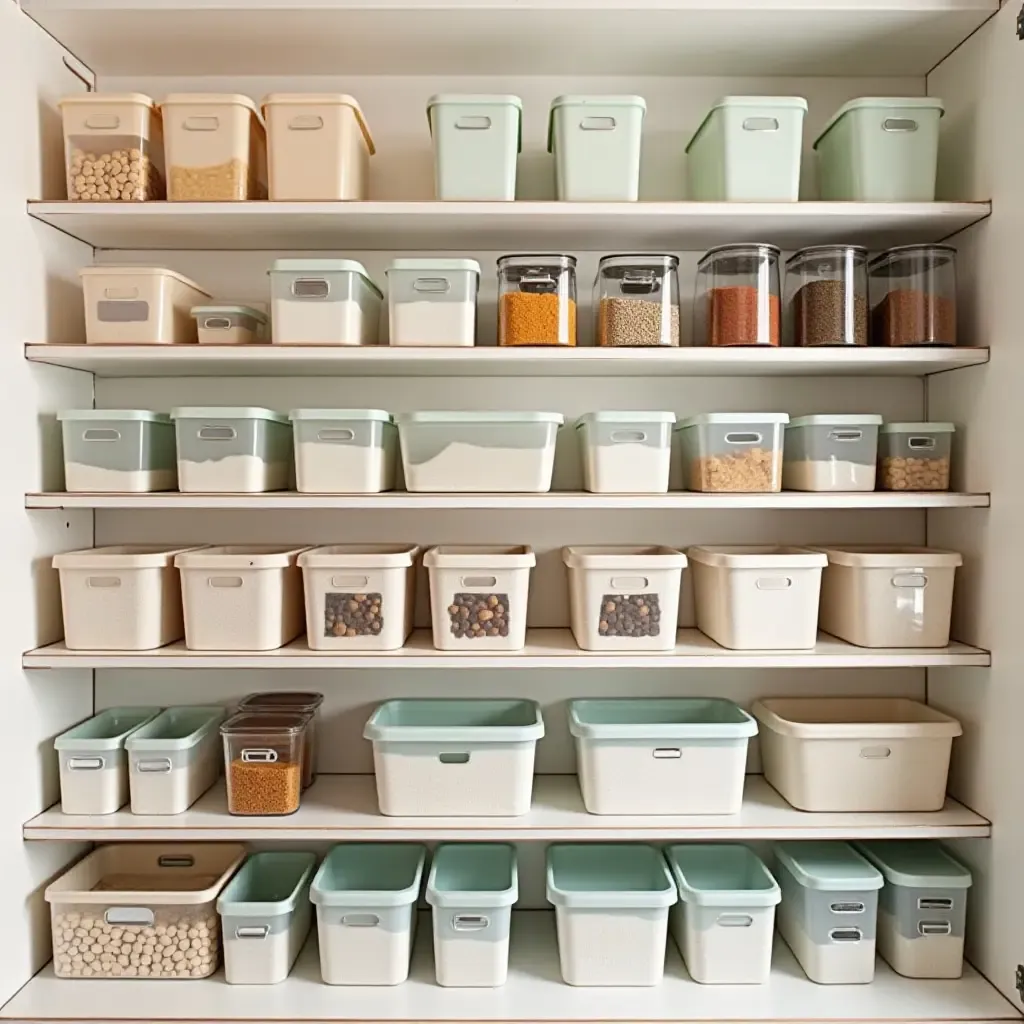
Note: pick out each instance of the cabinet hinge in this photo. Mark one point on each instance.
(1020, 981)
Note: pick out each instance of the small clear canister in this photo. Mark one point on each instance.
(827, 295)
(637, 301)
(913, 296)
(738, 296)
(537, 300)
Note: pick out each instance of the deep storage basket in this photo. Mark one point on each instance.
(344, 451)
(626, 452)
(432, 302)
(831, 453)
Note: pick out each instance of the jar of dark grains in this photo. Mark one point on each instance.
(827, 295)
(913, 296)
(637, 301)
(737, 299)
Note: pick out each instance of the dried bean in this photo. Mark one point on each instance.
(635, 616)
(352, 615)
(742, 315)
(124, 175)
(478, 616)
(536, 318)
(902, 473)
(264, 787)
(622, 322)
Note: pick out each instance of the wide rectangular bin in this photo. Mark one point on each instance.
(93, 761)
(922, 908)
(831, 453)
(226, 324)
(611, 911)
(111, 451)
(459, 758)
(265, 916)
(626, 452)
(129, 893)
(914, 456)
(264, 759)
(365, 896)
(856, 753)
(724, 921)
(624, 598)
(432, 302)
(306, 702)
(829, 910)
(344, 451)
(472, 888)
(174, 759)
(732, 451)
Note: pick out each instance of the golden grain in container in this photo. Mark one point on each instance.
(263, 761)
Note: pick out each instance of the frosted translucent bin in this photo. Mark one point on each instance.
(304, 702)
(922, 908)
(829, 910)
(432, 302)
(914, 456)
(323, 302)
(111, 451)
(129, 891)
(121, 598)
(222, 324)
(880, 596)
(265, 916)
(472, 452)
(611, 910)
(241, 597)
(232, 450)
(344, 451)
(724, 921)
(831, 453)
(624, 598)
(139, 306)
(93, 762)
(748, 149)
(460, 758)
(732, 451)
(856, 753)
(596, 142)
(365, 896)
(661, 755)
(359, 597)
(472, 887)
(881, 150)
(174, 759)
(757, 598)
(319, 147)
(626, 452)
(478, 596)
(476, 142)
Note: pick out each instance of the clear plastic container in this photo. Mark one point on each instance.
(827, 296)
(536, 300)
(913, 296)
(637, 301)
(221, 324)
(738, 296)
(113, 147)
(740, 452)
(831, 453)
(344, 451)
(914, 456)
(263, 760)
(626, 452)
(432, 302)
(305, 702)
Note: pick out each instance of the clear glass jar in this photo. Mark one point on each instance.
(913, 296)
(637, 300)
(305, 702)
(537, 300)
(738, 296)
(263, 754)
(827, 295)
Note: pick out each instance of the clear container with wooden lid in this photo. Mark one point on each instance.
(263, 761)
(536, 300)
(738, 296)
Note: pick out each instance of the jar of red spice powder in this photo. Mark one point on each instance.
(913, 296)
(738, 296)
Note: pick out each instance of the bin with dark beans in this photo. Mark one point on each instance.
(351, 615)
(479, 615)
(635, 616)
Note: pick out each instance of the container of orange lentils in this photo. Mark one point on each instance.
(536, 300)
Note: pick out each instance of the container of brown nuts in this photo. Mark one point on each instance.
(739, 452)
(914, 456)
(263, 760)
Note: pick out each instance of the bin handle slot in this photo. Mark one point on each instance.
(259, 755)
(921, 443)
(101, 434)
(761, 124)
(348, 582)
(598, 124)
(774, 583)
(735, 921)
(103, 582)
(478, 581)
(461, 757)
(217, 323)
(201, 123)
(432, 285)
(875, 753)
(847, 907)
(360, 920)
(935, 903)
(216, 433)
(899, 124)
(128, 915)
(845, 436)
(911, 580)
(934, 928)
(156, 765)
(85, 764)
(667, 753)
(103, 122)
(744, 437)
(306, 123)
(311, 288)
(470, 922)
(336, 435)
(628, 436)
(252, 931)
(473, 123)
(225, 582)
(630, 584)
(845, 935)
(176, 860)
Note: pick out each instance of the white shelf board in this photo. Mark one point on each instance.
(545, 648)
(500, 37)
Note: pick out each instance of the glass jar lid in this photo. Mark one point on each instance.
(828, 252)
(907, 259)
(737, 257)
(262, 722)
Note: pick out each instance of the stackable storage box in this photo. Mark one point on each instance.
(222, 324)
(302, 702)
(432, 302)
(344, 451)
(459, 758)
(915, 456)
(738, 452)
(265, 761)
(472, 888)
(829, 910)
(831, 453)
(626, 452)
(365, 896)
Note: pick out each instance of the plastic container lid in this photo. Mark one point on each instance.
(757, 556)
(261, 722)
(606, 875)
(885, 556)
(323, 266)
(479, 417)
(812, 252)
(635, 102)
(282, 700)
(321, 99)
(469, 875)
(369, 875)
(361, 415)
(215, 412)
(240, 556)
(917, 863)
(622, 557)
(99, 99)
(684, 718)
(434, 265)
(143, 415)
(881, 103)
(227, 310)
(444, 720)
(479, 100)
(900, 260)
(476, 556)
(826, 420)
(121, 556)
(141, 272)
(615, 416)
(269, 884)
(360, 556)
(743, 418)
(722, 875)
(177, 728)
(218, 99)
(918, 428)
(854, 718)
(828, 866)
(739, 250)
(106, 731)
(767, 103)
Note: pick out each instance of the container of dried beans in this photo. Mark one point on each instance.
(913, 296)
(827, 295)
(637, 299)
(536, 300)
(738, 296)
(263, 760)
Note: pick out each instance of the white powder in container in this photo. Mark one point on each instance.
(827, 475)
(436, 324)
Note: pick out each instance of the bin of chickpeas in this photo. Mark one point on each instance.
(914, 456)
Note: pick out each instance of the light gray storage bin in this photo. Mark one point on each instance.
(225, 324)
(914, 456)
(344, 451)
(732, 451)
(831, 453)
(432, 302)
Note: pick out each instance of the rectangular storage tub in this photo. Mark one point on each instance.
(224, 324)
(459, 758)
(265, 916)
(93, 761)
(914, 456)
(831, 453)
(303, 702)
(365, 896)
(611, 911)
(264, 761)
(174, 759)
(241, 597)
(478, 452)
(112, 451)
(829, 910)
(121, 598)
(922, 908)
(748, 150)
(479, 596)
(724, 921)
(626, 452)
(856, 753)
(472, 887)
(344, 451)
(432, 302)
(139, 306)
(732, 451)
(129, 891)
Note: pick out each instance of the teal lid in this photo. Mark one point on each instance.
(684, 718)
(828, 866)
(369, 875)
(323, 266)
(763, 103)
(916, 863)
(615, 416)
(136, 415)
(361, 415)
(450, 720)
(888, 103)
(479, 417)
(596, 102)
(608, 876)
(722, 875)
(205, 412)
(472, 875)
(106, 731)
(179, 728)
(458, 99)
(269, 884)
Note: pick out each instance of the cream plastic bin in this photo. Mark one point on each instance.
(432, 302)
(459, 758)
(624, 598)
(93, 762)
(344, 451)
(831, 453)
(139, 306)
(245, 597)
(757, 598)
(880, 596)
(319, 147)
(724, 921)
(611, 910)
(121, 598)
(130, 890)
(478, 596)
(856, 753)
(732, 451)
(221, 324)
(661, 755)
(359, 597)
(626, 452)
(748, 150)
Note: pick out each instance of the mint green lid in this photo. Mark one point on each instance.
(766, 103)
(269, 884)
(844, 420)
(828, 866)
(432, 265)
(615, 416)
(918, 428)
(449, 720)
(634, 102)
(479, 417)
(722, 875)
(361, 415)
(369, 875)
(630, 876)
(177, 728)
(106, 731)
(882, 103)
(470, 875)
(639, 718)
(207, 412)
(915, 863)
(131, 415)
(323, 266)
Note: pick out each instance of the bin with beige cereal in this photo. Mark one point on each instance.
(264, 754)
(739, 452)
(914, 456)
